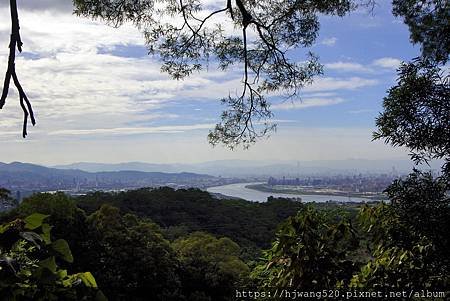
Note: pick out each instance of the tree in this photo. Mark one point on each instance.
(409, 241)
(410, 237)
(417, 109)
(69, 222)
(211, 268)
(429, 25)
(131, 259)
(422, 203)
(29, 264)
(5, 198)
(417, 112)
(310, 252)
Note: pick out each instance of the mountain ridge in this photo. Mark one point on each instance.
(239, 168)
(26, 176)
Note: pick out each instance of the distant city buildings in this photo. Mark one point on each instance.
(355, 183)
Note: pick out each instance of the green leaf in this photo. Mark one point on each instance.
(33, 237)
(99, 296)
(3, 228)
(62, 274)
(88, 279)
(62, 248)
(46, 228)
(71, 280)
(35, 220)
(49, 264)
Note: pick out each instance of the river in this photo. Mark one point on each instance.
(240, 191)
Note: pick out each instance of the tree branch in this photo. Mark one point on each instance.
(16, 42)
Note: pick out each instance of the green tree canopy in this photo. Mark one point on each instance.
(429, 25)
(211, 268)
(417, 112)
(30, 264)
(408, 239)
(131, 259)
(5, 198)
(310, 251)
(417, 109)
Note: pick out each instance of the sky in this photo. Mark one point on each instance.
(98, 96)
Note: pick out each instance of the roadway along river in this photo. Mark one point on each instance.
(240, 191)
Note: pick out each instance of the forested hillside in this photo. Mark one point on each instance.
(186, 245)
(179, 212)
(173, 244)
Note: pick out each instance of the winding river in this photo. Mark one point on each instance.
(240, 191)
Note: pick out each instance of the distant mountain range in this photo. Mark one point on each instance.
(24, 176)
(19, 176)
(243, 168)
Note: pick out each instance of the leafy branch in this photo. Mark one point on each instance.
(186, 35)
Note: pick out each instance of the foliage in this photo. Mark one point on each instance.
(68, 221)
(6, 200)
(409, 237)
(5, 194)
(402, 256)
(211, 267)
(423, 204)
(29, 267)
(390, 246)
(131, 259)
(187, 35)
(429, 25)
(417, 112)
(129, 256)
(251, 225)
(393, 246)
(58, 206)
(310, 252)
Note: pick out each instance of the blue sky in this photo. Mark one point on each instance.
(99, 97)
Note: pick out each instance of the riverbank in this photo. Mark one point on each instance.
(262, 187)
(240, 190)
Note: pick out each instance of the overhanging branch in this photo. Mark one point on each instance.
(16, 42)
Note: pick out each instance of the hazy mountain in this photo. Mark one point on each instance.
(247, 168)
(26, 176)
(136, 166)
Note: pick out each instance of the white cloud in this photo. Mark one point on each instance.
(306, 103)
(74, 87)
(387, 62)
(133, 130)
(376, 66)
(329, 41)
(333, 84)
(347, 67)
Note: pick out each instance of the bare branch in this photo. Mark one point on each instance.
(16, 42)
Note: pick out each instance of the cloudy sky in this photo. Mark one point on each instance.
(99, 97)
